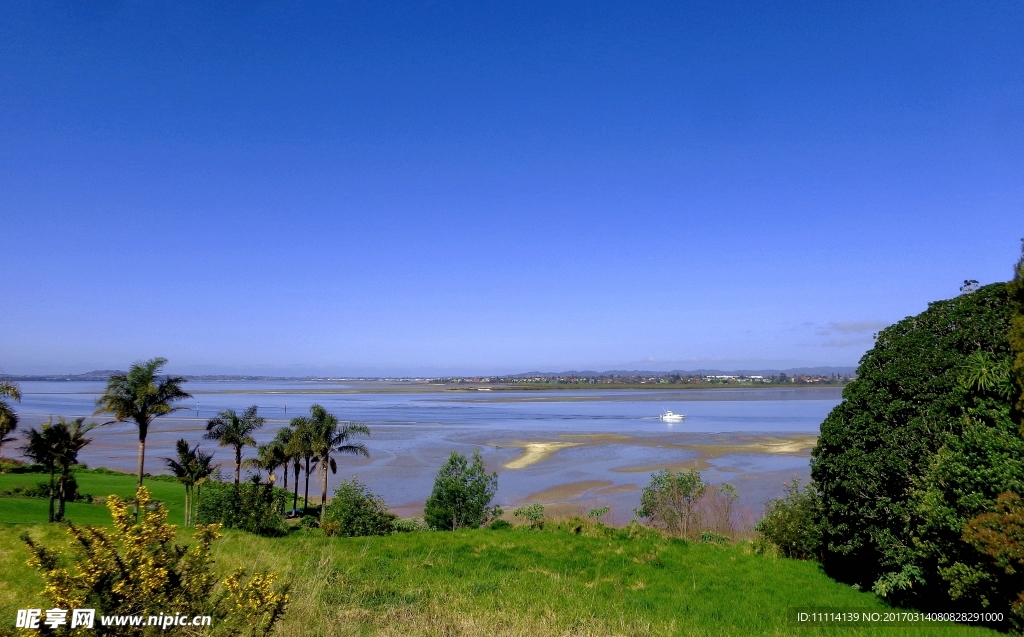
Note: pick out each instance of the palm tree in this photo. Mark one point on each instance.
(231, 430)
(69, 440)
(301, 446)
(181, 467)
(41, 447)
(199, 472)
(8, 418)
(327, 436)
(292, 449)
(269, 457)
(140, 396)
(281, 439)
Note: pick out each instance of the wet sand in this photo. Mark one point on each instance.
(568, 450)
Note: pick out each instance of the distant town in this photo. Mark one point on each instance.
(647, 380)
(537, 380)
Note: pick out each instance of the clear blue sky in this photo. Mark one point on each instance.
(390, 188)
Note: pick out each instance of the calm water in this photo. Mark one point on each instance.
(415, 428)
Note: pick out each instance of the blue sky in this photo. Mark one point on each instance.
(392, 188)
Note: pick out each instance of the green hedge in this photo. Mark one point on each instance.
(257, 508)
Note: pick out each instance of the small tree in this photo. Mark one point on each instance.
(462, 494)
(137, 569)
(41, 447)
(791, 523)
(269, 457)
(232, 430)
(192, 467)
(69, 440)
(533, 514)
(671, 501)
(357, 511)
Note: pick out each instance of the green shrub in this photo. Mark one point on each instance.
(533, 514)
(309, 522)
(256, 508)
(138, 569)
(358, 512)
(462, 495)
(791, 523)
(599, 512)
(498, 525)
(409, 525)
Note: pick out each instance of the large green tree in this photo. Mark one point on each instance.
(141, 396)
(231, 429)
(886, 455)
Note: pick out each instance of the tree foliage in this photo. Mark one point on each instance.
(790, 523)
(192, 468)
(137, 569)
(326, 435)
(231, 429)
(357, 511)
(140, 396)
(252, 507)
(462, 494)
(8, 417)
(921, 443)
(672, 500)
(55, 446)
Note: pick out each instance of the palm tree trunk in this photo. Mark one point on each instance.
(285, 476)
(295, 498)
(323, 492)
(238, 463)
(51, 495)
(62, 494)
(142, 459)
(305, 497)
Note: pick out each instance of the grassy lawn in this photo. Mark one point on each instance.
(512, 582)
(34, 510)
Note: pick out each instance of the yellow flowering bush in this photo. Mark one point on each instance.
(138, 569)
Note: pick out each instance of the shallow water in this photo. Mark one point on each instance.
(756, 438)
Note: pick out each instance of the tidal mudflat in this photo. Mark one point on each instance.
(575, 449)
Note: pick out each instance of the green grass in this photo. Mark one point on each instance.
(484, 582)
(512, 582)
(34, 510)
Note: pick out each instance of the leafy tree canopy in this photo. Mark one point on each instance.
(877, 460)
(462, 494)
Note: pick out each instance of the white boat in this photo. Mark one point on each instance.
(668, 416)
